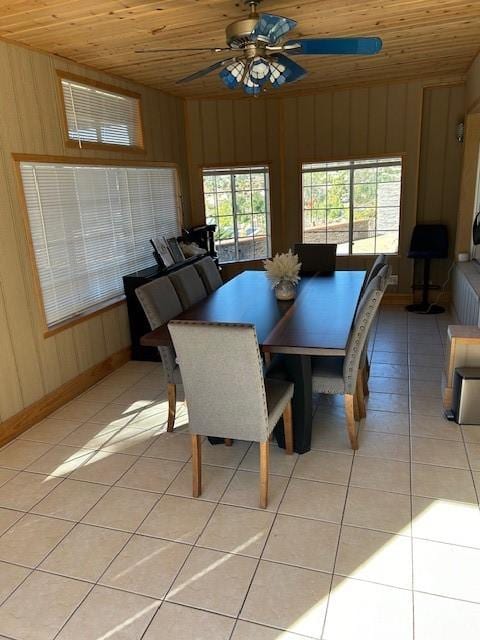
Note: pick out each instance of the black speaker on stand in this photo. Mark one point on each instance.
(429, 241)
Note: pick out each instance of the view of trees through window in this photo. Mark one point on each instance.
(355, 204)
(237, 200)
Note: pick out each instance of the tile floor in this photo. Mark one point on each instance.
(100, 538)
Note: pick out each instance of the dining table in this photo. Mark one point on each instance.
(317, 322)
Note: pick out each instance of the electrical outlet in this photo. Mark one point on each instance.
(393, 280)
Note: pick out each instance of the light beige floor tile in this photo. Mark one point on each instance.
(103, 392)
(325, 466)
(281, 464)
(425, 389)
(244, 490)
(237, 530)
(7, 518)
(393, 402)
(113, 415)
(379, 384)
(130, 440)
(146, 566)
(171, 446)
(79, 410)
(389, 370)
(476, 479)
(444, 619)
(214, 581)
(318, 500)
(473, 451)
(85, 552)
(386, 422)
(50, 430)
(471, 433)
(368, 611)
(223, 456)
(443, 482)
(43, 617)
(214, 482)
(288, 597)
(446, 521)
(20, 453)
(435, 427)
(150, 474)
(91, 435)
(11, 577)
(311, 544)
(154, 416)
(446, 570)
(372, 509)
(439, 452)
(104, 467)
(60, 461)
(372, 473)
(29, 540)
(250, 631)
(427, 406)
(122, 509)
(70, 500)
(329, 433)
(24, 490)
(107, 613)
(6, 475)
(176, 518)
(383, 445)
(184, 623)
(389, 357)
(418, 372)
(433, 360)
(375, 556)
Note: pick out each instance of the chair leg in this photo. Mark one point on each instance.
(228, 442)
(172, 405)
(264, 463)
(364, 374)
(356, 408)
(351, 424)
(197, 465)
(288, 428)
(267, 357)
(360, 398)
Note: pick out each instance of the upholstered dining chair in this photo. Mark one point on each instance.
(340, 375)
(188, 285)
(226, 393)
(209, 273)
(380, 261)
(160, 304)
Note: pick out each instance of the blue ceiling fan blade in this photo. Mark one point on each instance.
(270, 28)
(284, 70)
(204, 72)
(335, 46)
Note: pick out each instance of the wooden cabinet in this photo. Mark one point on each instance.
(463, 350)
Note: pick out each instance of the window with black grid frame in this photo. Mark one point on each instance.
(354, 204)
(237, 201)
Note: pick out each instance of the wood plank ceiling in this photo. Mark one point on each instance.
(421, 37)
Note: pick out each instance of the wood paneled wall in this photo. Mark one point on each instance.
(30, 365)
(440, 165)
(356, 122)
(472, 86)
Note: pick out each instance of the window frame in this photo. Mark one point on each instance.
(356, 158)
(229, 168)
(85, 144)
(101, 307)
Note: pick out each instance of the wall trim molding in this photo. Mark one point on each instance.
(406, 298)
(26, 418)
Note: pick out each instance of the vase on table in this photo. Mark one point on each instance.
(285, 290)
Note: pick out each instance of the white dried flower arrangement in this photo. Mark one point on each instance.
(284, 266)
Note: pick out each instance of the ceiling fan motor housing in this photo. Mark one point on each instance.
(239, 33)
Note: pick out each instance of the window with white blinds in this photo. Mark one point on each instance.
(91, 225)
(96, 115)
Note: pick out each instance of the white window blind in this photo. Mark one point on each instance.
(91, 225)
(101, 116)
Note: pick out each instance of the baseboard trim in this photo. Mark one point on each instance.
(406, 298)
(26, 418)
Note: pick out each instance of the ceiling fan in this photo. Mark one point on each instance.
(259, 49)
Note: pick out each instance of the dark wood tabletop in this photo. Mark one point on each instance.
(317, 322)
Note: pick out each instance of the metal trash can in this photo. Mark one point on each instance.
(466, 395)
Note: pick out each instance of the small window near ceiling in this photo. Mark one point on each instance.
(90, 225)
(97, 115)
(237, 201)
(354, 204)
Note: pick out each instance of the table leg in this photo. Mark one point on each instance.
(298, 370)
